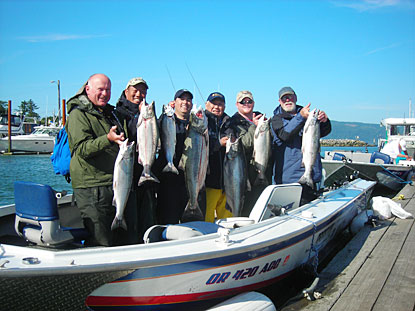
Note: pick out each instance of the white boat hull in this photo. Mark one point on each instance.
(42, 140)
(199, 272)
(40, 145)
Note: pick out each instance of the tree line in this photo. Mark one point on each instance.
(27, 108)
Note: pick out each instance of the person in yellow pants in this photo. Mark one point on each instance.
(215, 205)
(215, 196)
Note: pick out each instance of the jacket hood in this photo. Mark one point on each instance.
(82, 102)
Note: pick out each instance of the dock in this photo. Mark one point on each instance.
(374, 271)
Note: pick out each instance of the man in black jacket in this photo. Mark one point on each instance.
(215, 195)
(172, 195)
(140, 212)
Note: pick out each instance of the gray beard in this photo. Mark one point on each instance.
(290, 110)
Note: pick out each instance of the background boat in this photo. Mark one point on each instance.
(42, 140)
(20, 125)
(397, 128)
(338, 165)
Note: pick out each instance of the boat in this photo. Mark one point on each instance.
(192, 266)
(399, 128)
(338, 165)
(42, 140)
(19, 125)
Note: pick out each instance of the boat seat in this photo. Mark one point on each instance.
(37, 217)
(376, 155)
(339, 157)
(273, 202)
(179, 231)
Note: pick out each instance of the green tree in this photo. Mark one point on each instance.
(28, 108)
(3, 106)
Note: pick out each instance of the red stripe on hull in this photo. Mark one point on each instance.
(100, 301)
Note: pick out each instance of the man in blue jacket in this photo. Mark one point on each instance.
(287, 129)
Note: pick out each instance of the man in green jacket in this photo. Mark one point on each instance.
(93, 141)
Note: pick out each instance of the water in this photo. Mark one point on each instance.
(38, 168)
(34, 168)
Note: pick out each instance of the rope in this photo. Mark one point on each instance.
(402, 181)
(312, 247)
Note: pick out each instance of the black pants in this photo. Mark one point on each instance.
(97, 212)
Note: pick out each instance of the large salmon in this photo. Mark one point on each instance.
(147, 141)
(234, 176)
(310, 147)
(168, 138)
(262, 149)
(122, 181)
(194, 161)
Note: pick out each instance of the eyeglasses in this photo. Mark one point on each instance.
(247, 102)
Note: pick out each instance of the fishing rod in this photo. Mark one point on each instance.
(200, 93)
(171, 80)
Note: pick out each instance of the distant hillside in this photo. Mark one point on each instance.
(355, 130)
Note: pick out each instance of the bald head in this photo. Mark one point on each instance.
(98, 89)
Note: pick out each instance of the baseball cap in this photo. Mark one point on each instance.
(135, 81)
(285, 90)
(181, 92)
(243, 94)
(215, 95)
(402, 142)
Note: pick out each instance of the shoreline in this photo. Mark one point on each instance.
(344, 143)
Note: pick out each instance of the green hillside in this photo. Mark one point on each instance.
(355, 130)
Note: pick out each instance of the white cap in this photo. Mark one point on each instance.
(402, 143)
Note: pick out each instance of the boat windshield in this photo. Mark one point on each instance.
(15, 120)
(403, 130)
(47, 131)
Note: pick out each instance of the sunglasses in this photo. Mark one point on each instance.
(289, 97)
(247, 102)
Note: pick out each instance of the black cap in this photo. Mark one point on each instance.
(215, 95)
(285, 90)
(181, 92)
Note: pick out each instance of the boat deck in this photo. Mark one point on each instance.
(375, 271)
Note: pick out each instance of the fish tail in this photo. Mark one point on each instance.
(306, 180)
(261, 179)
(170, 168)
(116, 223)
(192, 213)
(145, 178)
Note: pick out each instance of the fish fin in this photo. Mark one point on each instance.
(182, 162)
(170, 168)
(248, 185)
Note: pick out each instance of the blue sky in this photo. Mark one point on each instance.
(353, 59)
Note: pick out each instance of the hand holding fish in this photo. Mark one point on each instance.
(305, 111)
(223, 141)
(255, 118)
(322, 117)
(114, 137)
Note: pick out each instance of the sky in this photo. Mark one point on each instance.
(353, 59)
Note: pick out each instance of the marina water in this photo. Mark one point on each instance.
(38, 168)
(34, 168)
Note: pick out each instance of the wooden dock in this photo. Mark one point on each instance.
(375, 271)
